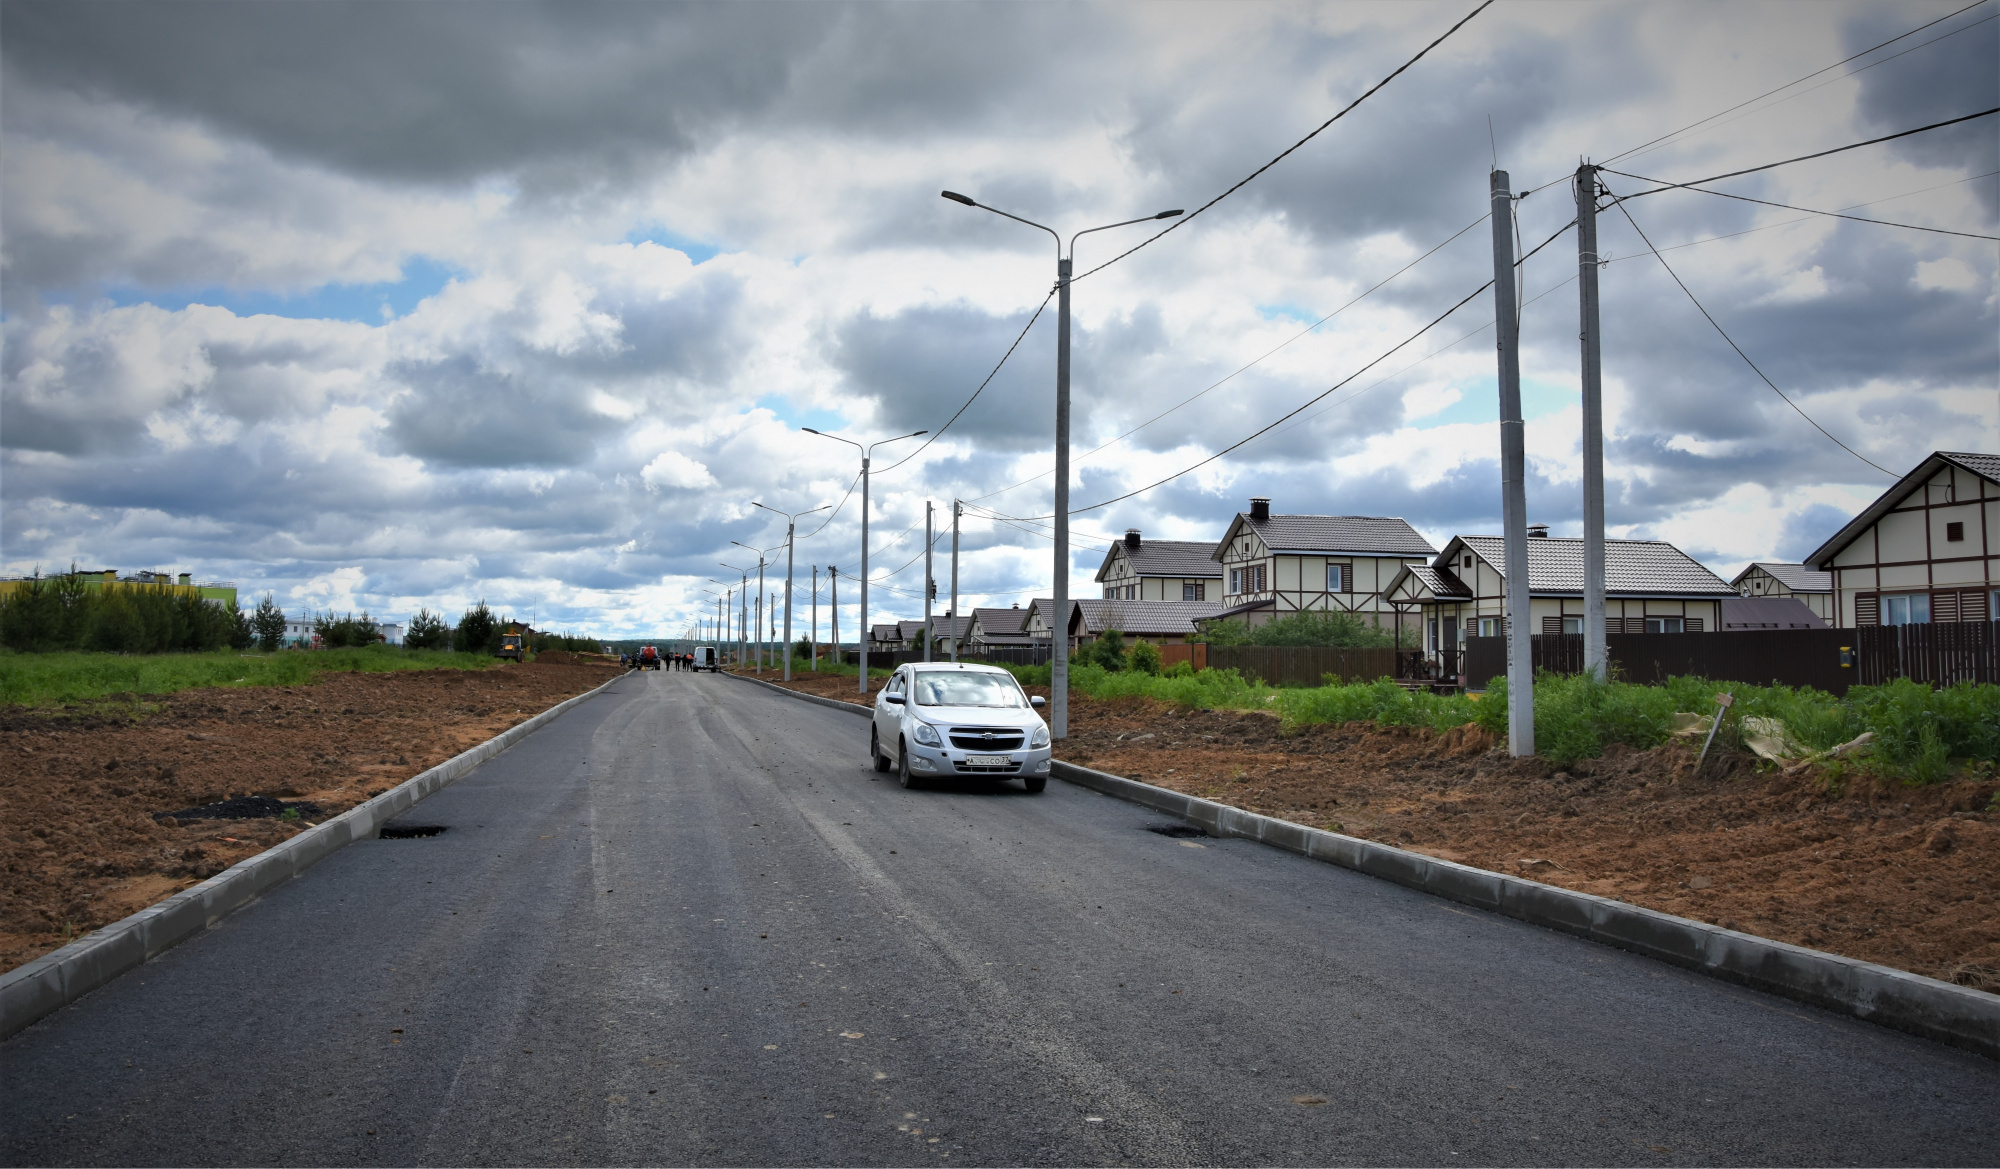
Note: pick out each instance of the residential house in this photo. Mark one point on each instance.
(996, 627)
(1650, 586)
(1136, 569)
(887, 637)
(1927, 550)
(1160, 622)
(1040, 620)
(1809, 586)
(1278, 564)
(946, 629)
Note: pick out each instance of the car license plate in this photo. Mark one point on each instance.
(987, 760)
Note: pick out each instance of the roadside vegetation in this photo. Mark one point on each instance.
(1311, 627)
(55, 679)
(1922, 735)
(56, 613)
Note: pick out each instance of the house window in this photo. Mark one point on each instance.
(1108, 592)
(1434, 635)
(1573, 626)
(1194, 590)
(1259, 570)
(1336, 578)
(1491, 626)
(1664, 625)
(1954, 531)
(1235, 581)
(1468, 560)
(1907, 609)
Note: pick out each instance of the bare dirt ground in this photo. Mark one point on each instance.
(1873, 869)
(79, 844)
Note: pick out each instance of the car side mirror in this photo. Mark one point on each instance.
(895, 698)
(1038, 702)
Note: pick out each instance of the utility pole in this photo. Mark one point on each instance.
(1513, 477)
(957, 626)
(815, 620)
(833, 606)
(789, 528)
(930, 583)
(760, 613)
(1596, 659)
(1058, 638)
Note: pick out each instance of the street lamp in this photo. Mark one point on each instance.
(743, 617)
(867, 452)
(791, 525)
(759, 643)
(1059, 618)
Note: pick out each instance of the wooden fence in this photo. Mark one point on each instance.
(1940, 653)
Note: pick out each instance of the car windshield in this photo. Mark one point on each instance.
(953, 688)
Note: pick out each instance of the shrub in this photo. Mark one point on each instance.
(1144, 657)
(1320, 627)
(1108, 651)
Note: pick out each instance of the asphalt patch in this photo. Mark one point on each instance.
(1176, 831)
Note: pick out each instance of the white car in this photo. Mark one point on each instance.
(942, 718)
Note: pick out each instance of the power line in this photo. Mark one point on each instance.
(1820, 154)
(1623, 210)
(1808, 77)
(1808, 210)
(1179, 223)
(939, 432)
(1804, 218)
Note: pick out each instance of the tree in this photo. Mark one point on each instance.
(1145, 657)
(243, 635)
(269, 624)
(478, 630)
(1107, 651)
(427, 631)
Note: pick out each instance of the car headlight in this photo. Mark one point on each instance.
(1040, 738)
(927, 735)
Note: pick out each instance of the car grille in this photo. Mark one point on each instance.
(987, 738)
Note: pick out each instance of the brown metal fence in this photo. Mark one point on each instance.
(1303, 665)
(1941, 653)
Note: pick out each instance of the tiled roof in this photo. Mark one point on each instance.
(1648, 568)
(1441, 582)
(1796, 577)
(1143, 618)
(1768, 613)
(1000, 621)
(1985, 466)
(1194, 558)
(1317, 534)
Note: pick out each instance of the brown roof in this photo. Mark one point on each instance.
(1647, 568)
(1140, 618)
(1189, 558)
(1315, 535)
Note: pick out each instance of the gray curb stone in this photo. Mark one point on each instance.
(1955, 1015)
(57, 979)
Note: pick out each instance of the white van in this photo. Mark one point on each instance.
(705, 658)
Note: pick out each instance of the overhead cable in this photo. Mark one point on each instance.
(1620, 204)
(1818, 154)
(1178, 223)
(1804, 218)
(1808, 210)
(939, 432)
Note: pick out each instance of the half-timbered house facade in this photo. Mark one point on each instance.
(1806, 585)
(1137, 569)
(1273, 565)
(1928, 550)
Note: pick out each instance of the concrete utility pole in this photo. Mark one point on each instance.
(833, 606)
(815, 620)
(867, 452)
(791, 529)
(930, 584)
(1513, 477)
(951, 614)
(1596, 658)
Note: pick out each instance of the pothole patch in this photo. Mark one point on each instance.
(410, 831)
(1176, 831)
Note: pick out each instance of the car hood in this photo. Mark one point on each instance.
(979, 716)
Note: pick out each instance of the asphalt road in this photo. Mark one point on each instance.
(685, 923)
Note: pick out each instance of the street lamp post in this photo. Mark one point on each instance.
(758, 646)
(867, 452)
(1059, 637)
(743, 616)
(791, 526)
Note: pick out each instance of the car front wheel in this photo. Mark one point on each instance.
(1035, 783)
(875, 755)
(903, 767)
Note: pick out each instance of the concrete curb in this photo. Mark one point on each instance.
(1956, 1015)
(57, 979)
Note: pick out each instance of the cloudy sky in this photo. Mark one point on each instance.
(380, 306)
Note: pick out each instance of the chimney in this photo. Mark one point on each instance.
(1260, 510)
(1132, 538)
(1538, 531)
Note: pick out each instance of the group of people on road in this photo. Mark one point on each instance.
(648, 658)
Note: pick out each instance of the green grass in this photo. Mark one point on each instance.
(56, 679)
(1922, 734)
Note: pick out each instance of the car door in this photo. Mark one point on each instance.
(888, 715)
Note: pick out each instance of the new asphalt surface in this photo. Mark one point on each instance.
(686, 923)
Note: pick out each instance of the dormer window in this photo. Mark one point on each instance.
(1468, 560)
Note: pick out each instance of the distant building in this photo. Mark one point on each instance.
(1136, 569)
(1808, 586)
(1928, 550)
(1280, 564)
(1160, 622)
(1768, 613)
(997, 627)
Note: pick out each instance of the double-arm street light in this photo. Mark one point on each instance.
(1059, 619)
(791, 526)
(743, 616)
(761, 553)
(867, 452)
